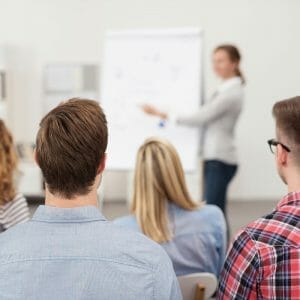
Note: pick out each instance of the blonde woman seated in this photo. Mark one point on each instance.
(13, 206)
(193, 235)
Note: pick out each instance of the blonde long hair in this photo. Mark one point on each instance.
(158, 179)
(8, 164)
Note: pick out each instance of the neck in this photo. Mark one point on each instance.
(78, 201)
(294, 187)
(229, 76)
(293, 181)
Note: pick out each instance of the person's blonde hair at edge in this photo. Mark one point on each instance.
(158, 179)
(8, 165)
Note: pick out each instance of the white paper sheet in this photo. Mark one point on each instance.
(161, 68)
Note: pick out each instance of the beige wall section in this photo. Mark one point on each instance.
(37, 32)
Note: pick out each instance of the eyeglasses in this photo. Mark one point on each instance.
(273, 144)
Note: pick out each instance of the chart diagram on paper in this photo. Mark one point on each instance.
(157, 67)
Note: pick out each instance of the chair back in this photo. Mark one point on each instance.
(197, 286)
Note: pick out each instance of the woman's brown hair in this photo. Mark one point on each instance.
(234, 56)
(8, 164)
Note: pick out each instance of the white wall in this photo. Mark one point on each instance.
(37, 32)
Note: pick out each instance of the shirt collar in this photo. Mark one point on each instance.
(290, 198)
(228, 83)
(45, 213)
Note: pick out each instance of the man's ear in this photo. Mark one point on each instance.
(102, 164)
(35, 157)
(281, 155)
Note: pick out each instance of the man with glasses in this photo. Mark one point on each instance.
(264, 259)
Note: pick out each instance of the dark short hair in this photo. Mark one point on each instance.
(70, 145)
(287, 116)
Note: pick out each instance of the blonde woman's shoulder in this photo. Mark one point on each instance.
(210, 213)
(211, 208)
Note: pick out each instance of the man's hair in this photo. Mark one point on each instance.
(70, 144)
(287, 116)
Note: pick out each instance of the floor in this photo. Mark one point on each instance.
(240, 213)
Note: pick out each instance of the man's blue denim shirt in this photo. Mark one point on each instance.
(75, 253)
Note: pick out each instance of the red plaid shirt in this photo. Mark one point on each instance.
(264, 259)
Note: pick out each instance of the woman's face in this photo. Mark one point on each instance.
(222, 65)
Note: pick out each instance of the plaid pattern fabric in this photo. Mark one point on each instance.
(264, 259)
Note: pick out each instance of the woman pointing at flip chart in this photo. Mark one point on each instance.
(219, 117)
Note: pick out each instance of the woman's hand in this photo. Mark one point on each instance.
(151, 110)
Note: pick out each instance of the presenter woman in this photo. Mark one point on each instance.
(218, 117)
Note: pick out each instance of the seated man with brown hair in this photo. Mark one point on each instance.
(69, 250)
(264, 260)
